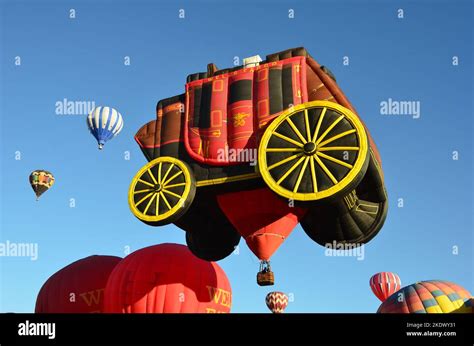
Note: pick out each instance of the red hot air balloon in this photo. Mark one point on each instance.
(384, 284)
(77, 288)
(276, 302)
(264, 220)
(167, 278)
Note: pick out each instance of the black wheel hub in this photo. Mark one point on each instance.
(309, 148)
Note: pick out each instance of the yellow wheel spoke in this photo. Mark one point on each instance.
(151, 175)
(300, 176)
(171, 193)
(290, 170)
(313, 175)
(157, 207)
(281, 150)
(325, 169)
(148, 205)
(295, 129)
(339, 162)
(306, 121)
(141, 191)
(164, 199)
(159, 172)
(337, 148)
(174, 185)
(167, 172)
(332, 139)
(329, 129)
(288, 139)
(172, 178)
(143, 199)
(284, 161)
(146, 182)
(318, 126)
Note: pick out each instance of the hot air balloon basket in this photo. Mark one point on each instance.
(265, 278)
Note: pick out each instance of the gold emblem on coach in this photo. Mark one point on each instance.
(239, 119)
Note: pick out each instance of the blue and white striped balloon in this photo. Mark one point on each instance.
(104, 123)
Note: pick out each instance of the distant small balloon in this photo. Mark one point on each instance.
(384, 284)
(41, 181)
(104, 123)
(276, 302)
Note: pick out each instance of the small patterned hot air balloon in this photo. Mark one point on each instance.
(104, 123)
(385, 284)
(41, 181)
(429, 297)
(276, 302)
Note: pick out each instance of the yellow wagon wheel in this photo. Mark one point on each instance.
(314, 151)
(162, 191)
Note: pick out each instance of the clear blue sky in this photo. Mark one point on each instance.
(83, 59)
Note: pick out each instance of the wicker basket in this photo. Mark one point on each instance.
(265, 278)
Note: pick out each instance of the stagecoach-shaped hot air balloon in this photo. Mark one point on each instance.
(254, 150)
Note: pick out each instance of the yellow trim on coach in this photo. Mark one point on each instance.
(227, 179)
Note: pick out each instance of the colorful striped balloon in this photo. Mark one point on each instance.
(41, 181)
(104, 123)
(276, 302)
(384, 284)
(429, 297)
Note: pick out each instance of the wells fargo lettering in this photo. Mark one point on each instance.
(220, 297)
(92, 297)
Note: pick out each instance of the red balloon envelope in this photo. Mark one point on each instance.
(167, 278)
(77, 288)
(384, 284)
(262, 218)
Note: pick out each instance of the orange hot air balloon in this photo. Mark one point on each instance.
(78, 287)
(264, 220)
(167, 278)
(276, 302)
